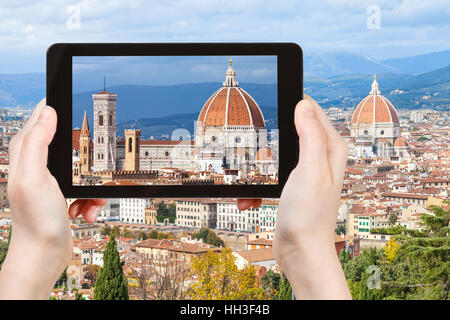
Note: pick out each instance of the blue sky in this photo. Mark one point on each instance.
(407, 27)
(88, 72)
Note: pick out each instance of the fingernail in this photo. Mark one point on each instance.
(44, 115)
(307, 108)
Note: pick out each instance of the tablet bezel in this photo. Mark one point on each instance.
(59, 96)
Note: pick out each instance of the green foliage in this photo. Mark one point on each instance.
(392, 218)
(270, 283)
(106, 230)
(78, 296)
(285, 289)
(340, 229)
(422, 138)
(4, 248)
(165, 211)
(61, 282)
(115, 231)
(391, 230)
(111, 284)
(208, 236)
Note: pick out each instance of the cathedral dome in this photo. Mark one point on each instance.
(231, 106)
(375, 108)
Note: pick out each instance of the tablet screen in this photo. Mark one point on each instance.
(174, 120)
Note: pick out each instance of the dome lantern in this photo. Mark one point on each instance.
(230, 77)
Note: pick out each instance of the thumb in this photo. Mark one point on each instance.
(313, 141)
(34, 149)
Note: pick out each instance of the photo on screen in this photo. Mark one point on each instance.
(174, 120)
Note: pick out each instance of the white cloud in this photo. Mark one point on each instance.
(30, 27)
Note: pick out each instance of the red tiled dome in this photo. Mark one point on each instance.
(231, 105)
(375, 108)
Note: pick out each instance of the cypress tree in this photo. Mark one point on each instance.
(111, 284)
(285, 289)
(4, 248)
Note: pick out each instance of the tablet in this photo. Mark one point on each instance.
(174, 119)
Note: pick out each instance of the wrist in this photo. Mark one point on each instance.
(313, 269)
(31, 268)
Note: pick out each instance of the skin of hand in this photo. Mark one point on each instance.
(304, 237)
(41, 240)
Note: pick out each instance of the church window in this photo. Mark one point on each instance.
(238, 139)
(130, 144)
(110, 120)
(146, 153)
(85, 150)
(103, 140)
(100, 120)
(382, 132)
(102, 156)
(98, 156)
(213, 139)
(166, 153)
(366, 132)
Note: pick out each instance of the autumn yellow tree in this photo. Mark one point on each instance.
(391, 249)
(215, 276)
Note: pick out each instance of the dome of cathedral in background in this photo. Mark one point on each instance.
(231, 106)
(375, 108)
(375, 127)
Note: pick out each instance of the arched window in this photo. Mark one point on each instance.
(100, 120)
(130, 144)
(110, 120)
(85, 150)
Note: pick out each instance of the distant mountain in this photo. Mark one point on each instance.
(143, 102)
(334, 79)
(163, 127)
(21, 89)
(329, 64)
(421, 63)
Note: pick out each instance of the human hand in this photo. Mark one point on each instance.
(304, 236)
(41, 240)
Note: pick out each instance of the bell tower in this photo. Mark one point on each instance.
(104, 131)
(85, 147)
(132, 142)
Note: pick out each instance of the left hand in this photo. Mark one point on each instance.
(41, 235)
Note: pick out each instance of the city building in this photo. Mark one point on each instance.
(196, 213)
(133, 209)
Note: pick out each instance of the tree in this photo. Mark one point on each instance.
(4, 248)
(160, 279)
(391, 249)
(106, 230)
(285, 289)
(153, 234)
(270, 283)
(215, 276)
(78, 296)
(110, 284)
(61, 282)
(115, 231)
(127, 233)
(392, 218)
(208, 236)
(340, 229)
(91, 273)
